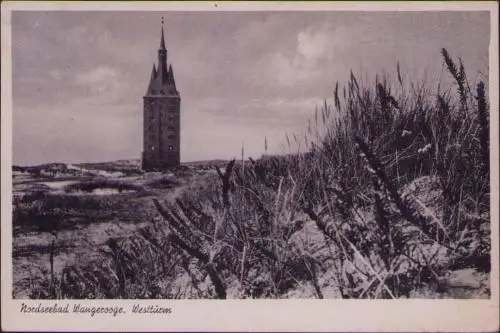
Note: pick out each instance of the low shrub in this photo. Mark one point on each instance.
(89, 186)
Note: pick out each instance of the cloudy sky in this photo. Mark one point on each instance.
(79, 77)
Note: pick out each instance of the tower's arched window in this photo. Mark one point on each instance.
(153, 92)
(162, 92)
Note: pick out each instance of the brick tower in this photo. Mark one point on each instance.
(162, 105)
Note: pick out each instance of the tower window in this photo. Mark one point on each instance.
(170, 147)
(171, 136)
(153, 92)
(162, 92)
(171, 128)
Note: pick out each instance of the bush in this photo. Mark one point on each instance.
(164, 183)
(89, 186)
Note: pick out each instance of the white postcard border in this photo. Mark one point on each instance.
(253, 315)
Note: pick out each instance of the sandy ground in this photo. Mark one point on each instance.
(83, 242)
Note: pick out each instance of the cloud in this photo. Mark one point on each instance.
(280, 109)
(96, 76)
(260, 112)
(305, 61)
(57, 74)
(105, 86)
(313, 45)
(100, 79)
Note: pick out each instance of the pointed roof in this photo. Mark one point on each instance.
(153, 79)
(153, 72)
(162, 76)
(171, 78)
(162, 41)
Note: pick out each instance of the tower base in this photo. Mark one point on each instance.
(156, 164)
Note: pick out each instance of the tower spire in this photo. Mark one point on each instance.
(162, 42)
(162, 58)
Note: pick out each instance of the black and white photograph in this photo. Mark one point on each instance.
(250, 154)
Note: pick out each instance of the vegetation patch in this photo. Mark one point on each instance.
(90, 186)
(164, 182)
(391, 200)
